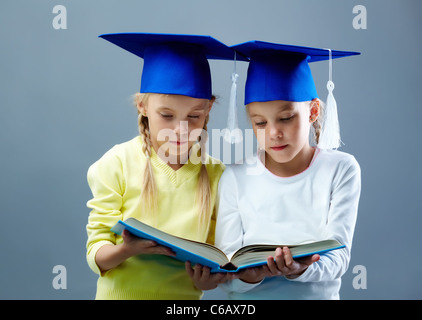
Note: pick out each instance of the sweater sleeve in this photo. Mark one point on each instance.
(105, 178)
(340, 225)
(229, 229)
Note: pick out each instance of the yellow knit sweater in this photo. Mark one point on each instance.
(115, 181)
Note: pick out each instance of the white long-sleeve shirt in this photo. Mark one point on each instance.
(258, 207)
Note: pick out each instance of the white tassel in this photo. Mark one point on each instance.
(330, 133)
(232, 133)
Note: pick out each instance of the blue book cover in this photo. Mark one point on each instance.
(212, 257)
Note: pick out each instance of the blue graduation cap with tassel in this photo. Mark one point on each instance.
(282, 72)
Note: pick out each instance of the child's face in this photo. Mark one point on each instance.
(175, 121)
(281, 127)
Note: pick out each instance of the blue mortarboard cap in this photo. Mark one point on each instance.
(282, 72)
(174, 64)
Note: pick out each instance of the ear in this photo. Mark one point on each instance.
(314, 110)
(140, 105)
(211, 103)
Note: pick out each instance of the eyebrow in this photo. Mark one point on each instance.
(286, 107)
(194, 109)
(198, 108)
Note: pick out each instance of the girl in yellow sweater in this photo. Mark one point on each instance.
(162, 177)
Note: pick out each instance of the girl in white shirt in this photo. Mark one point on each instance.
(290, 192)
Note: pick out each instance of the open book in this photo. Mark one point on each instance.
(212, 257)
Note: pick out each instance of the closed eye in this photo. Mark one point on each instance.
(287, 119)
(260, 124)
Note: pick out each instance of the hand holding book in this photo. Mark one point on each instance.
(135, 246)
(281, 264)
(204, 279)
(110, 256)
(284, 264)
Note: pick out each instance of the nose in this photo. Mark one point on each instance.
(275, 132)
(182, 128)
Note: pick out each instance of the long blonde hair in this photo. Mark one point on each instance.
(149, 190)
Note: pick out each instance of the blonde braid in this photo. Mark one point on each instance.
(148, 191)
(203, 194)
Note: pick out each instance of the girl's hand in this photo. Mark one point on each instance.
(285, 265)
(203, 279)
(133, 245)
(254, 275)
(110, 256)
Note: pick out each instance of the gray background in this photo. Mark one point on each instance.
(65, 100)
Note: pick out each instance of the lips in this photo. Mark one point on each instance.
(178, 143)
(278, 148)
